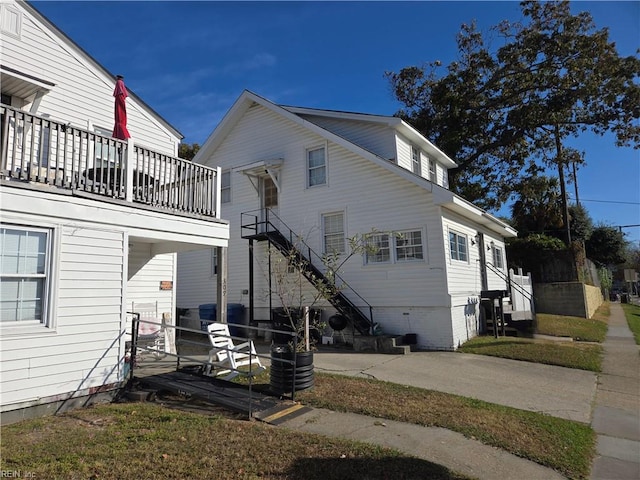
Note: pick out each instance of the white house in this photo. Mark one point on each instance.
(327, 176)
(90, 225)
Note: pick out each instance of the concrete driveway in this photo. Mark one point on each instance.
(558, 391)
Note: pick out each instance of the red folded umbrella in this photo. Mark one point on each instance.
(120, 129)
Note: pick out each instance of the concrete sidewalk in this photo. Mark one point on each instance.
(616, 416)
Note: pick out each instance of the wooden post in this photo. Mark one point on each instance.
(221, 286)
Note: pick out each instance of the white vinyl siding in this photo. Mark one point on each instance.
(316, 166)
(24, 264)
(83, 93)
(333, 232)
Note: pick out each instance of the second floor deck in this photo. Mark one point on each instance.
(41, 151)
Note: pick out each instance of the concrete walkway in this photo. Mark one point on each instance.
(562, 392)
(616, 415)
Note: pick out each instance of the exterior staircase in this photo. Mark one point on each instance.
(262, 227)
(500, 318)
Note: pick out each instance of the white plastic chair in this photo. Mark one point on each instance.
(225, 357)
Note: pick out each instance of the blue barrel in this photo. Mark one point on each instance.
(235, 316)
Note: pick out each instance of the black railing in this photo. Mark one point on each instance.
(513, 285)
(43, 151)
(266, 225)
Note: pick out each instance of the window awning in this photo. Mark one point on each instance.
(22, 85)
(263, 168)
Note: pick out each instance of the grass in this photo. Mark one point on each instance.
(580, 329)
(149, 441)
(576, 354)
(563, 354)
(632, 312)
(561, 444)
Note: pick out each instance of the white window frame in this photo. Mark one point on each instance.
(433, 171)
(416, 160)
(374, 257)
(326, 235)
(458, 235)
(324, 166)
(496, 252)
(397, 239)
(48, 282)
(225, 187)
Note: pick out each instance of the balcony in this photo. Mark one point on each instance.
(36, 150)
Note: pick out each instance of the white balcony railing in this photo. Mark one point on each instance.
(40, 150)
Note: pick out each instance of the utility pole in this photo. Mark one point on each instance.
(563, 186)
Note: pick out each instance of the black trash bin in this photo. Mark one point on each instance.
(281, 321)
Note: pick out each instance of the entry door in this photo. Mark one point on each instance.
(269, 200)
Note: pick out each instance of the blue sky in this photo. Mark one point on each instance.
(191, 60)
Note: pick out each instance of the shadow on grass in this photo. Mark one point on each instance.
(380, 468)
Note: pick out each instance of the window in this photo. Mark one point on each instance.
(105, 148)
(316, 167)
(432, 171)
(497, 256)
(225, 187)
(24, 269)
(409, 246)
(401, 247)
(214, 261)
(382, 249)
(333, 231)
(416, 165)
(458, 246)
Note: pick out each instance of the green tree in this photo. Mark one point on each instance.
(606, 246)
(188, 150)
(536, 206)
(504, 115)
(581, 223)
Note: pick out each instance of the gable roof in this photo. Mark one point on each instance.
(442, 196)
(94, 63)
(394, 123)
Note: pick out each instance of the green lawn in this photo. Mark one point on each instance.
(561, 444)
(150, 441)
(564, 354)
(571, 354)
(580, 329)
(632, 312)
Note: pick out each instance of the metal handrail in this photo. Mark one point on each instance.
(296, 240)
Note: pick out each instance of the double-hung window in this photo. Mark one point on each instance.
(24, 268)
(458, 246)
(395, 248)
(105, 148)
(380, 248)
(416, 163)
(333, 232)
(316, 166)
(409, 246)
(225, 187)
(432, 171)
(497, 257)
